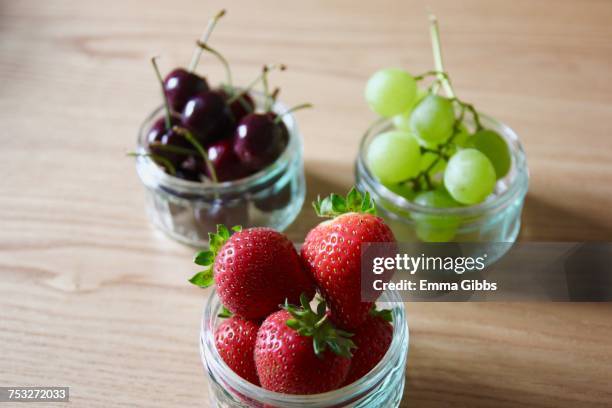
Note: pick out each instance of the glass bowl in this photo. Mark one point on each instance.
(497, 219)
(187, 211)
(382, 387)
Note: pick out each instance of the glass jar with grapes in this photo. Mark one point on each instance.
(440, 170)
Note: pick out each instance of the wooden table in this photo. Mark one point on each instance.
(92, 297)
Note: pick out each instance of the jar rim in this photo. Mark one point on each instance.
(146, 164)
(357, 389)
(517, 185)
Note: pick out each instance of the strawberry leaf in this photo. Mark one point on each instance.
(385, 314)
(335, 204)
(225, 313)
(204, 258)
(203, 279)
(216, 241)
(313, 324)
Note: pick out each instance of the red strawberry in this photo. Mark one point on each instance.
(298, 351)
(255, 270)
(372, 339)
(235, 342)
(332, 253)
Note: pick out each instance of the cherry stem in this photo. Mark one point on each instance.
(205, 37)
(228, 71)
(244, 103)
(157, 158)
(164, 96)
(274, 94)
(437, 55)
(279, 118)
(172, 149)
(200, 149)
(266, 92)
(270, 67)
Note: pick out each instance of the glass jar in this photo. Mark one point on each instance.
(187, 211)
(382, 387)
(497, 219)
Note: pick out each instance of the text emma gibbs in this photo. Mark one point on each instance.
(435, 264)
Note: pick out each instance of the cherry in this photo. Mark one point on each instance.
(165, 146)
(180, 85)
(283, 128)
(189, 169)
(165, 140)
(225, 162)
(207, 114)
(240, 105)
(258, 140)
(159, 128)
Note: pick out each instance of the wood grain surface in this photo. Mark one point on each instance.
(92, 297)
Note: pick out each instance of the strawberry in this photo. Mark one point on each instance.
(299, 351)
(235, 342)
(372, 339)
(255, 270)
(332, 253)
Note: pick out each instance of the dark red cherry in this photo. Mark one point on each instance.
(285, 132)
(258, 141)
(240, 107)
(159, 128)
(225, 162)
(207, 114)
(180, 85)
(189, 169)
(174, 139)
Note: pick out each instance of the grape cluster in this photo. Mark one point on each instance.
(432, 157)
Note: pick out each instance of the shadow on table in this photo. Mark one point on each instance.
(316, 185)
(547, 221)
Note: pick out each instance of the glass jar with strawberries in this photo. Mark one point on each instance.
(289, 329)
(225, 155)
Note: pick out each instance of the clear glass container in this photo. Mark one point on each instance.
(187, 211)
(497, 219)
(382, 387)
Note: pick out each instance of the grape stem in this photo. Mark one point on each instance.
(205, 37)
(439, 151)
(437, 55)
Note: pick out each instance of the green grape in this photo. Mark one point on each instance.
(462, 137)
(495, 148)
(436, 228)
(432, 120)
(390, 91)
(403, 190)
(394, 156)
(428, 158)
(402, 121)
(469, 176)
